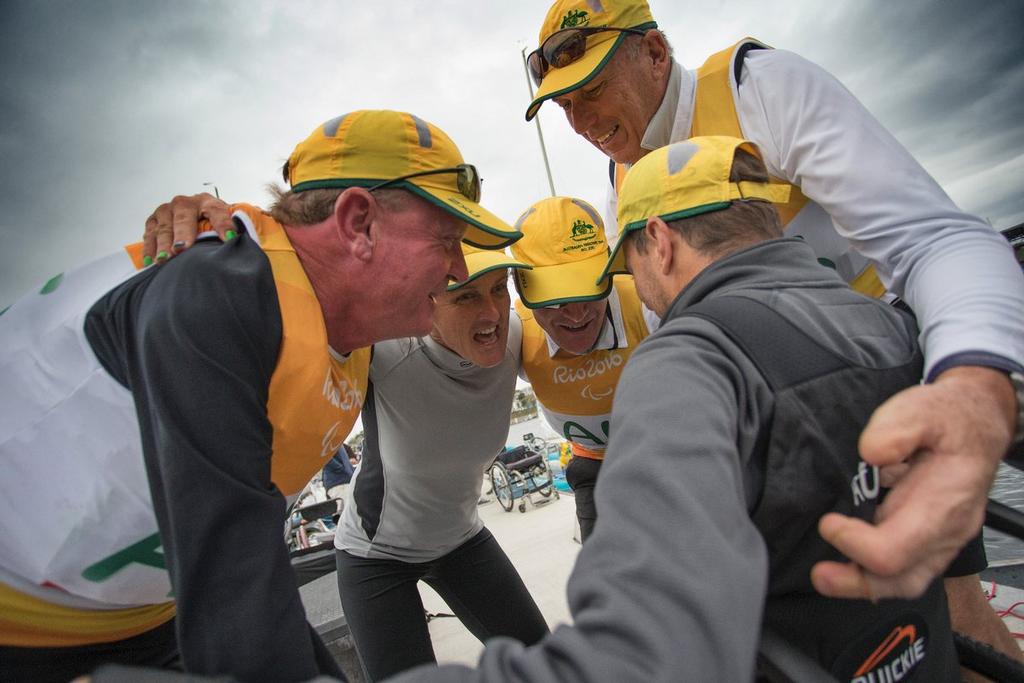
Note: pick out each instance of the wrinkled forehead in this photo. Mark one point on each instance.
(418, 217)
(441, 221)
(464, 304)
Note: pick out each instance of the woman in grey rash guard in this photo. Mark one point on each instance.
(436, 412)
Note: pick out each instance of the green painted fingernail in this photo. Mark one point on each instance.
(147, 260)
(230, 235)
(161, 256)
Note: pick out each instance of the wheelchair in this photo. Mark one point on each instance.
(519, 474)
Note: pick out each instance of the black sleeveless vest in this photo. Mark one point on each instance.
(809, 465)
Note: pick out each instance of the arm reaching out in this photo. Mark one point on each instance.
(953, 434)
(962, 283)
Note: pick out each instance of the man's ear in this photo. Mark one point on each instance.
(354, 213)
(659, 236)
(658, 51)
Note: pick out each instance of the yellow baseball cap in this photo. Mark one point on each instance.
(563, 239)
(600, 47)
(481, 261)
(371, 148)
(682, 180)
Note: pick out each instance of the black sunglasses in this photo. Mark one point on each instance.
(468, 180)
(564, 47)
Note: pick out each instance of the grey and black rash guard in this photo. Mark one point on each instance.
(414, 496)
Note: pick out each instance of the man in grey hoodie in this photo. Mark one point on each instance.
(720, 463)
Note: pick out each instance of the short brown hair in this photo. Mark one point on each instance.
(745, 222)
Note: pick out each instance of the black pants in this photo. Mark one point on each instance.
(581, 475)
(385, 613)
(156, 648)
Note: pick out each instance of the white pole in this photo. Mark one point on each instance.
(536, 119)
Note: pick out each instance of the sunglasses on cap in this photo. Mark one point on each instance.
(588, 300)
(564, 47)
(468, 180)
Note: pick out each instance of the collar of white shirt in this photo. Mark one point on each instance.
(613, 332)
(670, 122)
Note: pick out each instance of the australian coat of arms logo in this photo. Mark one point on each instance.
(581, 231)
(575, 18)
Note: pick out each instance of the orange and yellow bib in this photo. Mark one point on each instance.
(576, 392)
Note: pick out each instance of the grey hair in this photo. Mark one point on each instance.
(315, 206)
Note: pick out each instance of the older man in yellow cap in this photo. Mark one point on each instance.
(869, 210)
(577, 333)
(725, 452)
(156, 421)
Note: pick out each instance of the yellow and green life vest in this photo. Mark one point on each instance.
(576, 392)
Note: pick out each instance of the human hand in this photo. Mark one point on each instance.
(951, 435)
(172, 227)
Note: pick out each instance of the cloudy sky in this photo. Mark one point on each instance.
(111, 107)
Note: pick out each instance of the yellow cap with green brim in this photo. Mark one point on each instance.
(601, 47)
(365, 148)
(563, 240)
(682, 180)
(482, 261)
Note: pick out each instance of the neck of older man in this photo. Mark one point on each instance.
(664, 120)
(332, 272)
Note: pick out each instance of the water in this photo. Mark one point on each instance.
(1009, 489)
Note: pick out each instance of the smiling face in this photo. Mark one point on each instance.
(612, 110)
(574, 327)
(472, 320)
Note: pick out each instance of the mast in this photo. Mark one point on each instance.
(536, 119)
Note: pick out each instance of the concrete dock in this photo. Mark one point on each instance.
(541, 542)
(541, 546)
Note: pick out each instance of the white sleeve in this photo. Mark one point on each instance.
(515, 314)
(611, 222)
(956, 272)
(514, 344)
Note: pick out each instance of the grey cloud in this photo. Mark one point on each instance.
(110, 107)
(946, 78)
